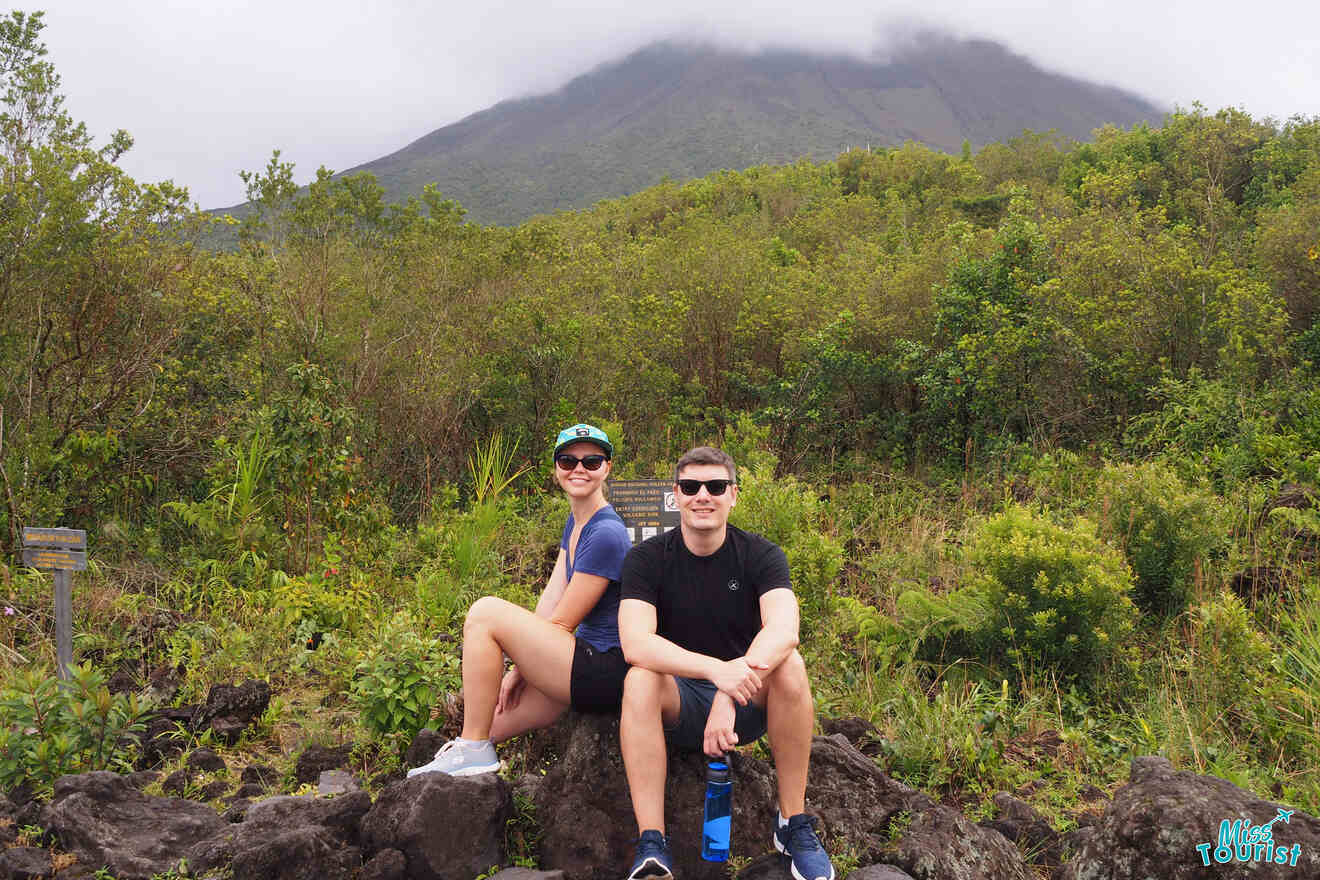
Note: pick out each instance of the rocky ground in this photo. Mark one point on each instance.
(435, 827)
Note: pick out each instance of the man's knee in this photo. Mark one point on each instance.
(642, 688)
(789, 678)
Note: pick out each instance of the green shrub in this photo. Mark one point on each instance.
(48, 729)
(399, 680)
(787, 511)
(1163, 528)
(1055, 597)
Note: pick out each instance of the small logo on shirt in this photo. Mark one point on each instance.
(733, 584)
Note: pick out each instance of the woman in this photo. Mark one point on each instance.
(567, 652)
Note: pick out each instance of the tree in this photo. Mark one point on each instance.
(88, 259)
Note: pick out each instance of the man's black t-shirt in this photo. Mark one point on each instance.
(707, 604)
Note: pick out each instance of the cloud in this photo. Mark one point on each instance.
(209, 90)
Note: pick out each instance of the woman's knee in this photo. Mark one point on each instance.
(484, 612)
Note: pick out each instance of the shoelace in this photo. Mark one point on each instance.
(802, 838)
(648, 846)
(445, 749)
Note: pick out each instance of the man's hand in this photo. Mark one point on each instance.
(719, 737)
(511, 689)
(738, 679)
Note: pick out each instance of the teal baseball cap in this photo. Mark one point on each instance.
(583, 434)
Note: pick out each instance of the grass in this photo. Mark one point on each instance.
(959, 731)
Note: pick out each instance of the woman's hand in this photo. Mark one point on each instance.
(511, 689)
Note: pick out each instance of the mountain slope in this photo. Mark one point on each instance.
(683, 111)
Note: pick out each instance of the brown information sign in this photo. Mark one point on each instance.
(65, 539)
(54, 559)
(647, 507)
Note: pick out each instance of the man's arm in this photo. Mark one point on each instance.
(776, 640)
(780, 623)
(643, 647)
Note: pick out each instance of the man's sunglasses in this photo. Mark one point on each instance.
(714, 487)
(566, 462)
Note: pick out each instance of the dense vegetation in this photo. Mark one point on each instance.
(1038, 426)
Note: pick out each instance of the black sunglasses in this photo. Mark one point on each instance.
(566, 462)
(714, 487)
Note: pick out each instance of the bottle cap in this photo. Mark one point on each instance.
(717, 771)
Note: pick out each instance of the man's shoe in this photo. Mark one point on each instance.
(461, 757)
(652, 861)
(797, 838)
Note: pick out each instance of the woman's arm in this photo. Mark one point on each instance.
(554, 587)
(579, 597)
(566, 603)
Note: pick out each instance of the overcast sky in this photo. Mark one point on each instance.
(210, 88)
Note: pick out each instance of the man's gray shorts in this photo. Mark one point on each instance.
(695, 696)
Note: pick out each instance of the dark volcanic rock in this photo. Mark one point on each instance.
(388, 864)
(228, 710)
(771, 866)
(315, 760)
(879, 872)
(527, 874)
(855, 800)
(177, 782)
(104, 821)
(205, 760)
(423, 747)
(586, 813)
(290, 838)
(1154, 824)
(25, 863)
(858, 731)
(261, 774)
(447, 827)
(942, 844)
(1019, 822)
(165, 735)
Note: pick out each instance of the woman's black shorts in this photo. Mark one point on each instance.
(596, 682)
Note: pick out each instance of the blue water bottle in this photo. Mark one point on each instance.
(715, 830)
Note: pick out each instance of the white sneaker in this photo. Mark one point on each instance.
(461, 757)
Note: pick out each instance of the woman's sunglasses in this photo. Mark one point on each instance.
(566, 462)
(714, 487)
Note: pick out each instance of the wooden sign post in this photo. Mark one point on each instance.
(61, 551)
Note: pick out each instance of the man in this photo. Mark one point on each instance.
(709, 622)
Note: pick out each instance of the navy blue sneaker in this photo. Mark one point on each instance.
(797, 838)
(652, 858)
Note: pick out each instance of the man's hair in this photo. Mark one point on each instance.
(707, 455)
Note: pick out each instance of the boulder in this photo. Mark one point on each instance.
(583, 806)
(769, 866)
(856, 802)
(103, 820)
(315, 760)
(259, 774)
(205, 761)
(527, 874)
(229, 709)
(290, 838)
(25, 863)
(332, 782)
(942, 844)
(1019, 822)
(423, 747)
(165, 735)
(388, 864)
(447, 827)
(879, 872)
(1155, 824)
